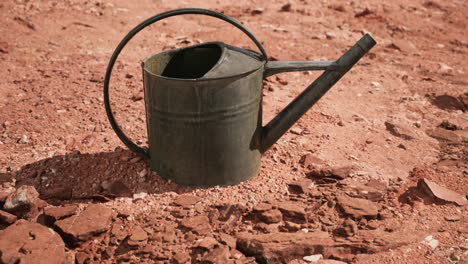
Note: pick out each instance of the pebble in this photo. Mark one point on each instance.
(313, 258)
(286, 7)
(139, 196)
(23, 140)
(431, 242)
(452, 218)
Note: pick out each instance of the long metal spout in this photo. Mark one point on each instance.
(299, 106)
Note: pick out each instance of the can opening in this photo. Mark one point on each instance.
(193, 62)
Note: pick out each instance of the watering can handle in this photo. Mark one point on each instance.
(184, 11)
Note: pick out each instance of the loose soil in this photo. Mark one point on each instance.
(346, 182)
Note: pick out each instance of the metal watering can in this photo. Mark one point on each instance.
(204, 105)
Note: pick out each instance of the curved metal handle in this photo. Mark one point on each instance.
(184, 11)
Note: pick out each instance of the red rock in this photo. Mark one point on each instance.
(310, 161)
(441, 193)
(266, 228)
(280, 247)
(261, 207)
(207, 243)
(350, 227)
(271, 216)
(217, 255)
(61, 212)
(166, 237)
(186, 200)
(300, 186)
(82, 258)
(197, 224)
(286, 7)
(330, 261)
(291, 227)
(138, 96)
(93, 220)
(443, 134)
(228, 240)
(138, 236)
(364, 12)
(24, 202)
(26, 242)
(401, 131)
(181, 258)
(4, 194)
(230, 213)
(7, 218)
(292, 211)
(330, 174)
(357, 207)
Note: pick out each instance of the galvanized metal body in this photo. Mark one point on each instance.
(204, 110)
(203, 132)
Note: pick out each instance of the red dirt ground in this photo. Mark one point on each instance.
(397, 117)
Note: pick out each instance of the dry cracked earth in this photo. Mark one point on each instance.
(375, 172)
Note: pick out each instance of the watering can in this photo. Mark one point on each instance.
(204, 105)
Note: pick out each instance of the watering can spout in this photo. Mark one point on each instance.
(334, 70)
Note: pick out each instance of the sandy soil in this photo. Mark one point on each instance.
(398, 117)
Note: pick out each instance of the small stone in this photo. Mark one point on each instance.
(313, 258)
(292, 211)
(364, 12)
(373, 225)
(291, 227)
(300, 186)
(261, 207)
(138, 236)
(271, 216)
(186, 200)
(400, 131)
(138, 96)
(281, 80)
(445, 69)
(7, 218)
(431, 242)
(228, 240)
(26, 242)
(357, 207)
(139, 196)
(296, 130)
(23, 140)
(350, 227)
(24, 202)
(257, 11)
(207, 243)
(443, 134)
(331, 174)
(181, 258)
(330, 35)
(198, 224)
(217, 255)
(286, 7)
(95, 219)
(441, 193)
(58, 213)
(376, 84)
(454, 257)
(310, 161)
(452, 218)
(5, 193)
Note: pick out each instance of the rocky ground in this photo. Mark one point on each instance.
(374, 173)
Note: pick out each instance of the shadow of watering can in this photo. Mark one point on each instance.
(204, 105)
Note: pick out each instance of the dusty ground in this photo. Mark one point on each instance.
(396, 118)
